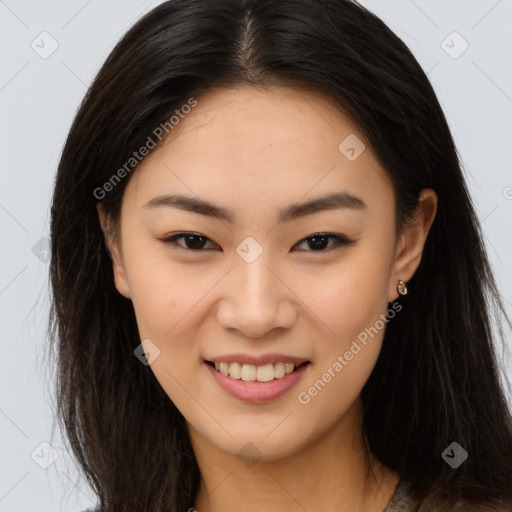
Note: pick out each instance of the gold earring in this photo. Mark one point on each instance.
(402, 289)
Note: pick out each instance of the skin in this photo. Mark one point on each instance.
(256, 151)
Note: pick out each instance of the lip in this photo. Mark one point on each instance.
(257, 392)
(257, 360)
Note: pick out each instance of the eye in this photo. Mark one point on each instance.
(193, 241)
(317, 242)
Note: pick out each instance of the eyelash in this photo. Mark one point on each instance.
(340, 241)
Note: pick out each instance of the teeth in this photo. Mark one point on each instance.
(250, 372)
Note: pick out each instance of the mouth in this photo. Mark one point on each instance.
(254, 373)
(257, 384)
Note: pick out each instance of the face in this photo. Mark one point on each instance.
(259, 273)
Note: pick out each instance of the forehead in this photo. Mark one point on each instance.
(270, 143)
(266, 115)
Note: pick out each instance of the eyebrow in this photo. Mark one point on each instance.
(328, 202)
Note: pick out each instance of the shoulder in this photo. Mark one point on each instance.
(463, 506)
(403, 501)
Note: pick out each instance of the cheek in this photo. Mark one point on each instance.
(351, 301)
(161, 292)
(163, 297)
(346, 298)
(347, 346)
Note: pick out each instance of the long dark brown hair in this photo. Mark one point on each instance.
(437, 378)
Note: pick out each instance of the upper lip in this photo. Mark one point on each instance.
(257, 360)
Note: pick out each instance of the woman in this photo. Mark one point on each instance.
(268, 279)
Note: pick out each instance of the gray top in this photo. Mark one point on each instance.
(401, 500)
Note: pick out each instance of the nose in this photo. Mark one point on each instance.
(257, 299)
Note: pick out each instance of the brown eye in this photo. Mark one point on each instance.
(193, 242)
(319, 241)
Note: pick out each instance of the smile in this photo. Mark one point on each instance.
(251, 372)
(251, 389)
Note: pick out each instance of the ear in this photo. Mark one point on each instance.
(112, 243)
(412, 241)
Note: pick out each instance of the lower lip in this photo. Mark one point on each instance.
(254, 391)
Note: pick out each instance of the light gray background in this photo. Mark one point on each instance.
(38, 100)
